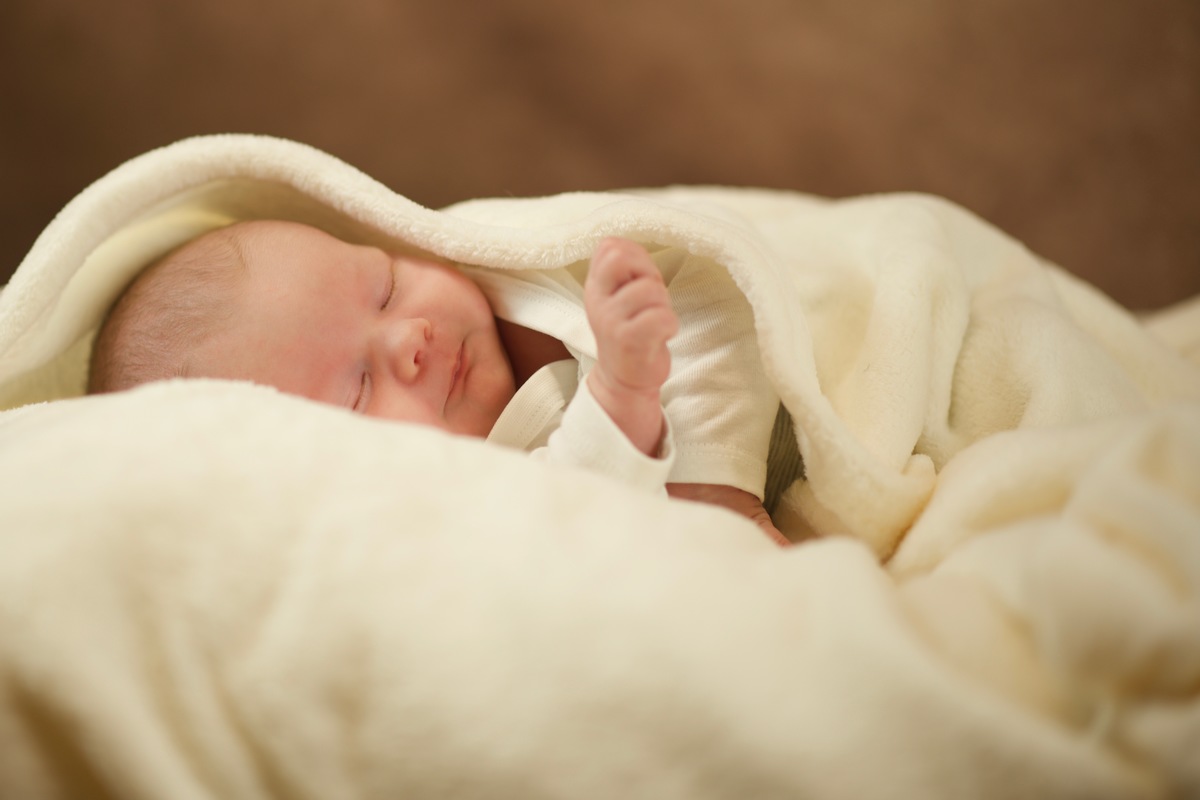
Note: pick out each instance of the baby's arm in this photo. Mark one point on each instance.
(630, 314)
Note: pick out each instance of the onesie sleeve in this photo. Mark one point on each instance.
(587, 437)
(718, 397)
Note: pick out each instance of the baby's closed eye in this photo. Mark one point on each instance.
(391, 287)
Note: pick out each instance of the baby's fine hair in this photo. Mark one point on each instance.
(170, 308)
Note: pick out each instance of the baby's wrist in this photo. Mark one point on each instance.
(637, 412)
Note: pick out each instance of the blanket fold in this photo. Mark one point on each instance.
(921, 329)
(1001, 464)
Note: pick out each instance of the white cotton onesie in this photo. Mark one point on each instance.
(719, 406)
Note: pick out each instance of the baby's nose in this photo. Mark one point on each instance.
(404, 348)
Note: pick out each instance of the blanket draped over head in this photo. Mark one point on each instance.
(211, 589)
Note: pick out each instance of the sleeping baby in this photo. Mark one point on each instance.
(640, 366)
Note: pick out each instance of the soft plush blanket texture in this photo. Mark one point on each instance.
(210, 589)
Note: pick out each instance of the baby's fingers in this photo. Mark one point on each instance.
(637, 356)
(634, 298)
(650, 328)
(615, 263)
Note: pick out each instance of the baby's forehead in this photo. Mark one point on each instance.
(254, 245)
(249, 235)
(273, 253)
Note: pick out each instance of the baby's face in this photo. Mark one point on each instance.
(385, 335)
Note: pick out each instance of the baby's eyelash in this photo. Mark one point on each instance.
(391, 290)
(364, 391)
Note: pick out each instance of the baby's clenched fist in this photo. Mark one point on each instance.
(631, 317)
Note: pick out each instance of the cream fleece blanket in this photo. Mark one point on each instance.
(212, 590)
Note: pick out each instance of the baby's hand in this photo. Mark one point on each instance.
(631, 316)
(737, 500)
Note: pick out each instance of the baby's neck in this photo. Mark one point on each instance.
(528, 350)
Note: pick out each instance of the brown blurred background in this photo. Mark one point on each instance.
(1072, 124)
